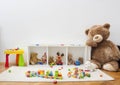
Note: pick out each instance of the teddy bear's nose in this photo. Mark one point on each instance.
(96, 37)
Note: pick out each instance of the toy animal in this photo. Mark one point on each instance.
(44, 58)
(105, 54)
(34, 59)
(59, 58)
(51, 61)
(70, 59)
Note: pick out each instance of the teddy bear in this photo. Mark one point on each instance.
(70, 59)
(51, 60)
(80, 59)
(59, 58)
(104, 54)
(34, 59)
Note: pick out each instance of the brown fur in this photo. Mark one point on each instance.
(105, 51)
(70, 59)
(34, 59)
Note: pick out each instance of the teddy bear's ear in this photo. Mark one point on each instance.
(86, 31)
(106, 25)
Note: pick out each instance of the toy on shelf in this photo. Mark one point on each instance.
(51, 61)
(34, 60)
(59, 58)
(42, 74)
(19, 56)
(44, 58)
(78, 73)
(79, 61)
(70, 59)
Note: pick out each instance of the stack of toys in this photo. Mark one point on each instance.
(78, 73)
(44, 74)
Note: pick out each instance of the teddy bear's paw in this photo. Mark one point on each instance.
(112, 66)
(95, 65)
(108, 67)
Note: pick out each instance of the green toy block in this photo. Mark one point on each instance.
(21, 60)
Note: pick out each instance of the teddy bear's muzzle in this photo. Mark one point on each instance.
(97, 38)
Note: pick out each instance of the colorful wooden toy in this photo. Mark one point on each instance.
(19, 56)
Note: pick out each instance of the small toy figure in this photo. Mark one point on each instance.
(59, 58)
(51, 61)
(76, 71)
(44, 58)
(58, 75)
(70, 59)
(77, 63)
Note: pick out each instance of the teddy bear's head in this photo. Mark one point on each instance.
(97, 34)
(33, 58)
(51, 60)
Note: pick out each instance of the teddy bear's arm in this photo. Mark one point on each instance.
(116, 52)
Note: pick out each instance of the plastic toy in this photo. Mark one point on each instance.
(9, 71)
(77, 63)
(78, 73)
(40, 62)
(59, 58)
(42, 74)
(19, 56)
(55, 82)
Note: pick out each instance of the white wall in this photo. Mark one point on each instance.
(54, 21)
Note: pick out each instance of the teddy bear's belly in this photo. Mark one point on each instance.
(102, 55)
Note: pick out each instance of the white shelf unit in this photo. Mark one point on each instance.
(76, 51)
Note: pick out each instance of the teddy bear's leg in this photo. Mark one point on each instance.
(96, 64)
(111, 66)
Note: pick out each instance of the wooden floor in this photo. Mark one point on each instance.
(115, 75)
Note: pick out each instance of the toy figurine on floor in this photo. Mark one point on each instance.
(59, 58)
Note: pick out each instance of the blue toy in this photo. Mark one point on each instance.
(41, 63)
(77, 63)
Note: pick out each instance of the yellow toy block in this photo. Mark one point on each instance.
(14, 51)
